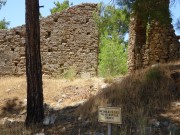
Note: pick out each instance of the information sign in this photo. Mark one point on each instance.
(109, 115)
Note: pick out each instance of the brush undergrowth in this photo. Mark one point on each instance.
(69, 74)
(140, 95)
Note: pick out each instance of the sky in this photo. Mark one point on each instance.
(14, 10)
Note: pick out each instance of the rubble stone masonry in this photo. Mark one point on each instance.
(68, 40)
(161, 45)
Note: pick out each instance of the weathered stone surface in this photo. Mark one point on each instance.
(68, 39)
(161, 45)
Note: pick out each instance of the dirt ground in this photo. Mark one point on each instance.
(58, 93)
(61, 97)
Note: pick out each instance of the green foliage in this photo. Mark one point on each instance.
(69, 73)
(112, 57)
(153, 74)
(148, 10)
(60, 6)
(112, 19)
(113, 25)
(4, 24)
(2, 3)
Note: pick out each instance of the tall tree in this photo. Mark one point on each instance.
(112, 19)
(2, 3)
(113, 25)
(60, 6)
(4, 24)
(148, 10)
(35, 111)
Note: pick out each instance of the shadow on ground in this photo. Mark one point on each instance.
(12, 107)
(68, 122)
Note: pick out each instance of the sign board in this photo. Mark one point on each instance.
(109, 115)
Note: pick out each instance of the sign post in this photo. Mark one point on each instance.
(109, 129)
(110, 115)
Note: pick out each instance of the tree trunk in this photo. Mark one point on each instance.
(35, 111)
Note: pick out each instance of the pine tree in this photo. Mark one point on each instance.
(2, 3)
(113, 25)
(60, 6)
(4, 24)
(35, 111)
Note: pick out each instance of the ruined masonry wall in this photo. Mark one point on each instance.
(161, 46)
(68, 40)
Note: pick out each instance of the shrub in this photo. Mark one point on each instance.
(112, 57)
(153, 74)
(112, 24)
(138, 97)
(60, 6)
(69, 73)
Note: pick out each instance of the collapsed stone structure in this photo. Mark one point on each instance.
(158, 44)
(68, 40)
(152, 42)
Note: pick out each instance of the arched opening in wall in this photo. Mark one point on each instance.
(49, 49)
(63, 40)
(15, 64)
(61, 65)
(48, 34)
(17, 33)
(157, 61)
(16, 67)
(55, 19)
(87, 20)
(12, 49)
(61, 69)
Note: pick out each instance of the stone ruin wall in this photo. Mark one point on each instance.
(161, 45)
(68, 40)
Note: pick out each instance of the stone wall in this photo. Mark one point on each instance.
(137, 40)
(68, 40)
(161, 45)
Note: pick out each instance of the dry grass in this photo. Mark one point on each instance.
(76, 90)
(141, 95)
(13, 90)
(13, 95)
(9, 85)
